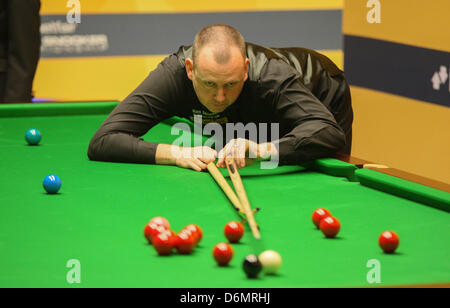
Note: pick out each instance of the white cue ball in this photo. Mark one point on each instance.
(271, 261)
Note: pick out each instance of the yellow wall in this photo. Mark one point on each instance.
(412, 22)
(403, 133)
(113, 78)
(102, 78)
(105, 78)
(182, 6)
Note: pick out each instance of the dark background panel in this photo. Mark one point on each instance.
(143, 34)
(396, 68)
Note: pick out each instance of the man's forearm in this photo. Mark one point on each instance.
(120, 147)
(294, 149)
(166, 154)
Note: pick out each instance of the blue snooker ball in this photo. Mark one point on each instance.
(52, 184)
(33, 136)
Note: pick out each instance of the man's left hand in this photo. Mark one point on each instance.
(245, 152)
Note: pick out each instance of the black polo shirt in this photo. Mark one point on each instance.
(301, 90)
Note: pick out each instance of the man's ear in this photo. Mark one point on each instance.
(247, 65)
(189, 68)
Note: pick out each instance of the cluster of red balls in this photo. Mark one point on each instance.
(330, 227)
(164, 240)
(223, 252)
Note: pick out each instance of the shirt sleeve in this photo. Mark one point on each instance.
(118, 138)
(309, 129)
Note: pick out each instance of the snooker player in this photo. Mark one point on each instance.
(224, 79)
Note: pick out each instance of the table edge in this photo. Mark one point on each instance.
(358, 162)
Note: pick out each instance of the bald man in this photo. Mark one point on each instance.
(227, 80)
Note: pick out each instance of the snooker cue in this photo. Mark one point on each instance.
(220, 179)
(239, 187)
(255, 210)
(225, 186)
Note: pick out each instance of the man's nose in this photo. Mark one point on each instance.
(220, 95)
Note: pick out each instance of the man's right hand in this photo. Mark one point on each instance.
(196, 158)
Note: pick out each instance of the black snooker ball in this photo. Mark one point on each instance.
(252, 266)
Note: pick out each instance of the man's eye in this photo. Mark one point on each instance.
(230, 84)
(209, 83)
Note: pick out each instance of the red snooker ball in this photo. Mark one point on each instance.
(184, 242)
(196, 231)
(234, 231)
(190, 233)
(223, 253)
(151, 230)
(161, 221)
(164, 243)
(389, 241)
(318, 215)
(330, 226)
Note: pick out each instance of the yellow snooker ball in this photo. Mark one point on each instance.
(271, 261)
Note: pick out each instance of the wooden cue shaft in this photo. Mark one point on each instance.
(239, 186)
(255, 210)
(225, 187)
